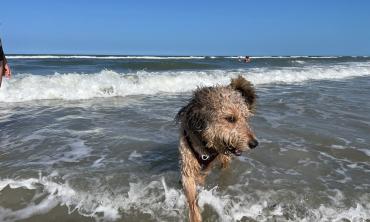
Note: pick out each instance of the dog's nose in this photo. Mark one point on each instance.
(253, 143)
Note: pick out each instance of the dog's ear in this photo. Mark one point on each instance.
(246, 89)
(191, 116)
(195, 121)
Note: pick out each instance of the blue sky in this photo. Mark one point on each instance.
(260, 27)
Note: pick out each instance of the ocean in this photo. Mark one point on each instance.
(93, 138)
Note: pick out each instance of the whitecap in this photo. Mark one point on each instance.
(74, 86)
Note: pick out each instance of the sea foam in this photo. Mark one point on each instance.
(160, 201)
(107, 83)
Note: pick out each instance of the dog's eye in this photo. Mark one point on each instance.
(230, 119)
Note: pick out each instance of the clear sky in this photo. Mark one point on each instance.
(160, 27)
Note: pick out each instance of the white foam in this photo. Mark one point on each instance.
(358, 213)
(339, 147)
(218, 203)
(160, 202)
(283, 57)
(78, 150)
(13, 184)
(134, 156)
(365, 151)
(55, 190)
(58, 194)
(298, 61)
(107, 83)
(173, 198)
(74, 151)
(98, 163)
(234, 57)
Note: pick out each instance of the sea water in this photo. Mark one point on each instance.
(93, 138)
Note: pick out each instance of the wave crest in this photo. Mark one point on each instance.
(160, 201)
(74, 86)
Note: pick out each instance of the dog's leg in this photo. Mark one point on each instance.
(190, 189)
(189, 176)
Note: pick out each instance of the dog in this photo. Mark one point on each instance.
(214, 127)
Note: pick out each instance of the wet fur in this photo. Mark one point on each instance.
(216, 118)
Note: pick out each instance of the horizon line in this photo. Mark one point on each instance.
(184, 55)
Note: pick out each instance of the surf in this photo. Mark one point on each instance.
(109, 83)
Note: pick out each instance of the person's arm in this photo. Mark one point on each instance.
(5, 65)
(2, 63)
(2, 56)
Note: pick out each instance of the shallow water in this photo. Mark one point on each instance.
(97, 144)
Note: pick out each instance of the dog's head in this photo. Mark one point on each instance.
(219, 116)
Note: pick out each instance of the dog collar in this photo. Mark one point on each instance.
(203, 159)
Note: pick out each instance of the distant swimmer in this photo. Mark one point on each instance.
(4, 67)
(247, 59)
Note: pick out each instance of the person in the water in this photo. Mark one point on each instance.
(4, 67)
(246, 59)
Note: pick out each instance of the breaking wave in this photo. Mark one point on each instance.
(76, 86)
(161, 202)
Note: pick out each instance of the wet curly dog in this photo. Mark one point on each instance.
(214, 126)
